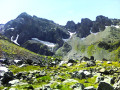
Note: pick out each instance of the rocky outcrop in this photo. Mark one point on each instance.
(83, 29)
(71, 26)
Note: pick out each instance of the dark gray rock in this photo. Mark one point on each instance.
(91, 63)
(83, 29)
(8, 76)
(84, 58)
(104, 86)
(71, 26)
(81, 74)
(71, 61)
(18, 62)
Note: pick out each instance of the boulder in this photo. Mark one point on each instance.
(8, 76)
(84, 59)
(91, 63)
(112, 81)
(2, 60)
(18, 62)
(81, 74)
(71, 61)
(13, 82)
(104, 86)
(92, 58)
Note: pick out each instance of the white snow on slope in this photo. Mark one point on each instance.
(115, 26)
(71, 34)
(49, 44)
(92, 32)
(83, 38)
(15, 41)
(11, 29)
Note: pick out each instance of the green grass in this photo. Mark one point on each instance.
(16, 69)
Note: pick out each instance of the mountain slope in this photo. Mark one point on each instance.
(11, 51)
(105, 44)
(28, 27)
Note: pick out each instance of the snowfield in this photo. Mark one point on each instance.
(15, 41)
(49, 44)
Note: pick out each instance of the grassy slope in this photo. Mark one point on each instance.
(90, 46)
(12, 51)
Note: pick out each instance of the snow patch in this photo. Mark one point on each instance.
(83, 38)
(62, 62)
(11, 29)
(49, 44)
(115, 26)
(71, 34)
(16, 61)
(92, 32)
(3, 69)
(15, 41)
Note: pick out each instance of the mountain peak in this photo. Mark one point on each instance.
(23, 15)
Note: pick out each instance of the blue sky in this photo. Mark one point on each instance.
(60, 11)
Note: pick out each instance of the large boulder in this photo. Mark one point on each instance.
(8, 76)
(104, 86)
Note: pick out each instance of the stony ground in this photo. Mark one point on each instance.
(66, 75)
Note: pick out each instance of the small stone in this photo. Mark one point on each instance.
(109, 62)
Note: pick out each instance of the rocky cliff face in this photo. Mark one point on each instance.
(28, 27)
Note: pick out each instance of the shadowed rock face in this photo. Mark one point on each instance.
(1, 27)
(86, 26)
(28, 27)
(83, 29)
(37, 47)
(71, 26)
